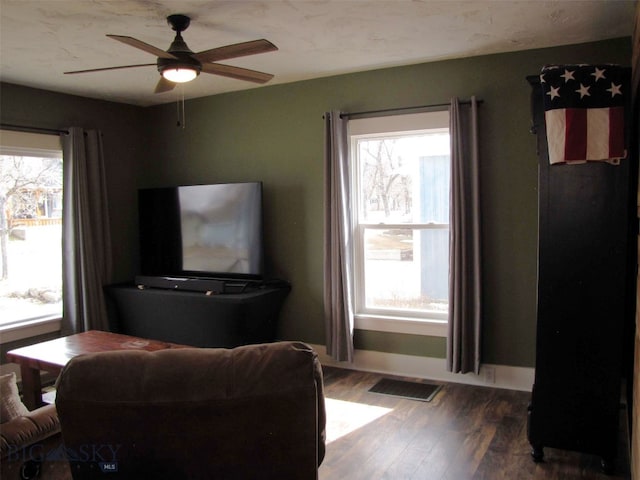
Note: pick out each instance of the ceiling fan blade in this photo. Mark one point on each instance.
(133, 42)
(110, 68)
(234, 51)
(164, 85)
(236, 72)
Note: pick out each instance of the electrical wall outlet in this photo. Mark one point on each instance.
(490, 375)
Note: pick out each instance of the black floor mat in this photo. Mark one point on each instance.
(411, 390)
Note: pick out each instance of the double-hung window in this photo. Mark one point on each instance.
(30, 228)
(400, 181)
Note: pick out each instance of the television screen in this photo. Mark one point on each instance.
(202, 230)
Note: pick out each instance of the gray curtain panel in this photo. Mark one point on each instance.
(86, 240)
(465, 282)
(338, 311)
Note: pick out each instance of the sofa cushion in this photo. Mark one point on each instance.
(10, 405)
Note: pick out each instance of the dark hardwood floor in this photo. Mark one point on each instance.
(465, 432)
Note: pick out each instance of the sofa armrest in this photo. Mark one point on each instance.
(34, 427)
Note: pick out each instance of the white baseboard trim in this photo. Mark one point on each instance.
(495, 376)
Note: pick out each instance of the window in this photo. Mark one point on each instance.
(30, 227)
(400, 178)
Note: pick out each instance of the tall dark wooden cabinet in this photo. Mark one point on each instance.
(583, 274)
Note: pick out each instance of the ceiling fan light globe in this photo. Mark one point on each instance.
(179, 75)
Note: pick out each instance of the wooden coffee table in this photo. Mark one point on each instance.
(53, 355)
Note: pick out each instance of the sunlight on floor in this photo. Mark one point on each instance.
(346, 417)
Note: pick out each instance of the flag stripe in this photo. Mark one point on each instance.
(616, 133)
(555, 123)
(597, 133)
(575, 145)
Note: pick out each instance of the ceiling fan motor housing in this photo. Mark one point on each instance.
(179, 48)
(184, 60)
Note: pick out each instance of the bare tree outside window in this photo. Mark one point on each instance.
(30, 236)
(386, 184)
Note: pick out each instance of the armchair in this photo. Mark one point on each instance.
(255, 411)
(29, 440)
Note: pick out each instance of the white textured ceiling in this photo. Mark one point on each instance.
(41, 39)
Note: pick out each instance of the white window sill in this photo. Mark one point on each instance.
(29, 328)
(408, 325)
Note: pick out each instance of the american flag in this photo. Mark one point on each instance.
(584, 112)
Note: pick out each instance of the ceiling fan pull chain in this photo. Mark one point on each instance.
(181, 123)
(184, 117)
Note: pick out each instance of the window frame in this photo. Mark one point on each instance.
(383, 319)
(38, 145)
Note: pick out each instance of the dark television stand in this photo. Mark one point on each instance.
(241, 314)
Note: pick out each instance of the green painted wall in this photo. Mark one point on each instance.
(274, 134)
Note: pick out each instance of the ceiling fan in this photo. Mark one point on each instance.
(179, 64)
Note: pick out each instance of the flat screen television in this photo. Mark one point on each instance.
(212, 231)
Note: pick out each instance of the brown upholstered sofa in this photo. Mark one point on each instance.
(253, 412)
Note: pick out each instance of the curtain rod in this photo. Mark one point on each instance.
(26, 129)
(392, 111)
